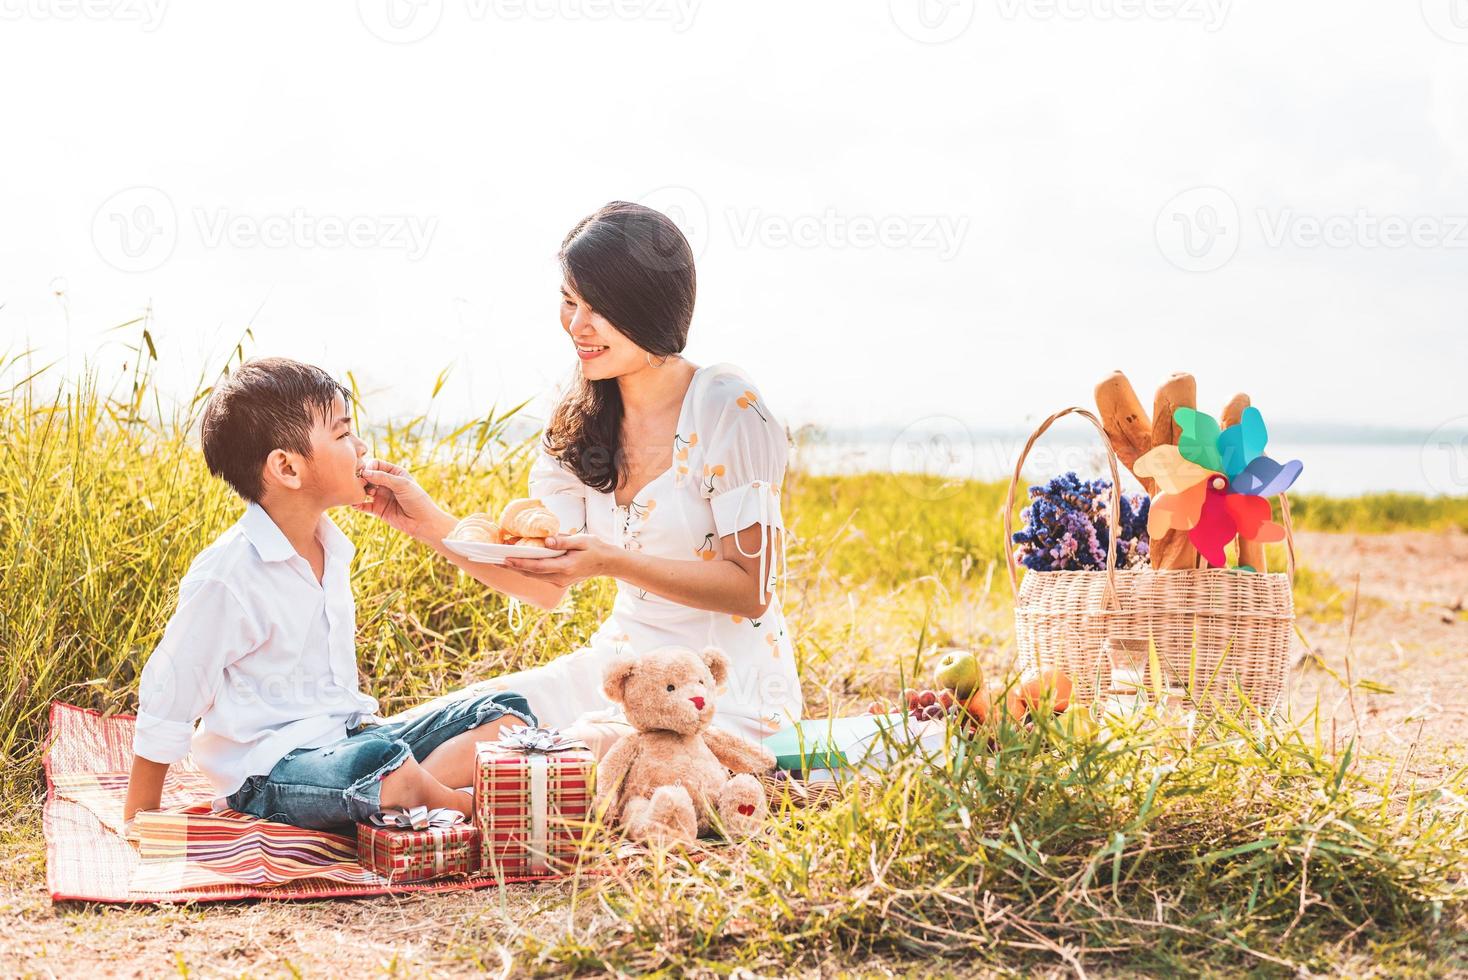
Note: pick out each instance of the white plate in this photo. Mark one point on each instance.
(495, 554)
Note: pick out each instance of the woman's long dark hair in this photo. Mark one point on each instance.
(632, 265)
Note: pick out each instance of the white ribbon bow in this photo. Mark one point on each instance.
(529, 740)
(417, 818)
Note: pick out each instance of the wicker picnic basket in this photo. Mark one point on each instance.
(1222, 636)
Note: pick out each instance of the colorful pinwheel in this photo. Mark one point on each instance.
(1216, 485)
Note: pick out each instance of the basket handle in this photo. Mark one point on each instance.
(1113, 513)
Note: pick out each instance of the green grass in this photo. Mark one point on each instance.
(1375, 513)
(1247, 850)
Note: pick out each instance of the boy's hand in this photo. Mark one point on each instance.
(398, 499)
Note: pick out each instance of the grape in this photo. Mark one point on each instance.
(912, 701)
(927, 699)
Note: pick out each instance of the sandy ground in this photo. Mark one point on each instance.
(1409, 635)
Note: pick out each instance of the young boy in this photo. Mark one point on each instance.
(261, 649)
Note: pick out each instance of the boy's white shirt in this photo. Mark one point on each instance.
(258, 652)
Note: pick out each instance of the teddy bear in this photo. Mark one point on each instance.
(670, 779)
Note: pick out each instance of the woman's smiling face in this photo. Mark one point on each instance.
(604, 351)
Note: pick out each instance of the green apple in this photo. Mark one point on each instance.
(1077, 722)
(958, 671)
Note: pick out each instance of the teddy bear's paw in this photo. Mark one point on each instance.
(667, 818)
(742, 806)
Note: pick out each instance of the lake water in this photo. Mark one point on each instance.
(1431, 467)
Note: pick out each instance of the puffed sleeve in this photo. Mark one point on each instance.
(209, 631)
(743, 466)
(561, 491)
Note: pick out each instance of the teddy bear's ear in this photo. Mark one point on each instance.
(717, 663)
(614, 678)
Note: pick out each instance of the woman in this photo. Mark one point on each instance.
(665, 476)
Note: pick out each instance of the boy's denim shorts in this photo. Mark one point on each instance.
(339, 784)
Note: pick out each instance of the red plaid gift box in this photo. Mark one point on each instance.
(532, 799)
(418, 855)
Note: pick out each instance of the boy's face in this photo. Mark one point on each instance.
(333, 473)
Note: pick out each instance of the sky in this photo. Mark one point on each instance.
(904, 212)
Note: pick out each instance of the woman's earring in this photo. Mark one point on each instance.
(659, 363)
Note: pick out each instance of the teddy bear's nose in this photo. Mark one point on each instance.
(697, 703)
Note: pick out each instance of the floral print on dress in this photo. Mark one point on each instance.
(710, 474)
(750, 400)
(681, 446)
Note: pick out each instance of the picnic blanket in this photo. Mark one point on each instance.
(186, 852)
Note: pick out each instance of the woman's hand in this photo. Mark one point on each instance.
(587, 556)
(398, 499)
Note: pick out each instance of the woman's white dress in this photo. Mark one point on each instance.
(729, 457)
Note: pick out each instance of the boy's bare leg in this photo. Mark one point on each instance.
(410, 785)
(452, 763)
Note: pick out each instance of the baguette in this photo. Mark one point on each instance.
(1125, 422)
(1173, 549)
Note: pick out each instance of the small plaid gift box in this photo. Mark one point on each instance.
(418, 855)
(532, 799)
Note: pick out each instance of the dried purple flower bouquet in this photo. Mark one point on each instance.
(1065, 527)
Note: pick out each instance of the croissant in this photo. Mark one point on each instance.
(529, 518)
(477, 527)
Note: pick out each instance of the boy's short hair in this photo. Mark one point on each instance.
(265, 405)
